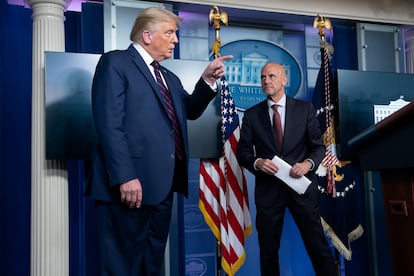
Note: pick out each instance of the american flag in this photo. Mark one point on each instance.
(223, 190)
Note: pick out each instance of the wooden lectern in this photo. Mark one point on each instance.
(388, 147)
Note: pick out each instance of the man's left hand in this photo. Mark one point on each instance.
(300, 169)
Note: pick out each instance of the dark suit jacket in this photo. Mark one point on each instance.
(135, 137)
(302, 138)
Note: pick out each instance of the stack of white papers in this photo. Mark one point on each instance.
(297, 184)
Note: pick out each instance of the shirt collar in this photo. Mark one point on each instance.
(281, 102)
(144, 54)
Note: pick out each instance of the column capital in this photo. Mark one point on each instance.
(63, 3)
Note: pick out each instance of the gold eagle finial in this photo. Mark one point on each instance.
(215, 18)
(320, 22)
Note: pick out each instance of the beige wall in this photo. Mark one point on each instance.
(386, 11)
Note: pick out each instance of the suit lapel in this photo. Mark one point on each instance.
(265, 118)
(290, 115)
(141, 66)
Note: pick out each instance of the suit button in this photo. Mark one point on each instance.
(172, 156)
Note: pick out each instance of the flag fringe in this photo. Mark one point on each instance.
(248, 230)
(346, 252)
(356, 233)
(230, 270)
(209, 220)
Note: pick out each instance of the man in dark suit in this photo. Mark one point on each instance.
(299, 142)
(140, 110)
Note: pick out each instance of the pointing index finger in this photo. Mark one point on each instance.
(223, 58)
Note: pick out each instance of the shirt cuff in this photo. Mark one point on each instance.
(254, 164)
(212, 86)
(311, 161)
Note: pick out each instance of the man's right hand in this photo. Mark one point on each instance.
(267, 166)
(131, 193)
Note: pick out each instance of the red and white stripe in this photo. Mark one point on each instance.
(224, 197)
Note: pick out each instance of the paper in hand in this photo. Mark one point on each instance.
(299, 185)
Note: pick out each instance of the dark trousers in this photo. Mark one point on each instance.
(132, 240)
(305, 212)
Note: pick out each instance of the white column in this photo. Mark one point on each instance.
(409, 48)
(49, 207)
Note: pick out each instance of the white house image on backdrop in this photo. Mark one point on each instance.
(245, 70)
(383, 111)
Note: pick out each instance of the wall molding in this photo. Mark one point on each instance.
(384, 11)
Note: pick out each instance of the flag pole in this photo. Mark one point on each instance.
(218, 257)
(216, 18)
(321, 23)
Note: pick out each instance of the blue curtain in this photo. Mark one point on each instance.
(83, 34)
(15, 138)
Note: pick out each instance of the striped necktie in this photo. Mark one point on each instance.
(179, 147)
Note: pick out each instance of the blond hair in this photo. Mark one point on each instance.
(150, 17)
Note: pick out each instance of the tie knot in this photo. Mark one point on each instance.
(275, 107)
(155, 64)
